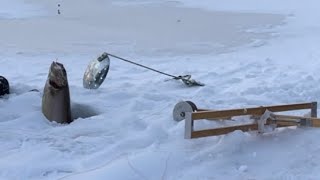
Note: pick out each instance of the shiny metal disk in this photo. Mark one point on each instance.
(180, 109)
(96, 72)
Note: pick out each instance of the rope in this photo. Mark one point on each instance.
(186, 78)
(126, 60)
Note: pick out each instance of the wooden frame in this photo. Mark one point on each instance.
(280, 120)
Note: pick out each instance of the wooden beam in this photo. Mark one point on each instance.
(221, 118)
(286, 123)
(205, 110)
(244, 128)
(314, 122)
(278, 116)
(224, 130)
(249, 111)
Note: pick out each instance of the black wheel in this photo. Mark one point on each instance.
(193, 105)
(4, 86)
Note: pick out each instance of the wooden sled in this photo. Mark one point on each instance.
(264, 116)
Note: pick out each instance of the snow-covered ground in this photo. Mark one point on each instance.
(248, 53)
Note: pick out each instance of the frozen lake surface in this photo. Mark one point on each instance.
(248, 53)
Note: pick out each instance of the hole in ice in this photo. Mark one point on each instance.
(82, 111)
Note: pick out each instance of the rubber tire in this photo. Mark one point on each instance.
(4, 86)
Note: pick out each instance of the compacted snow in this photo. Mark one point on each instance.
(248, 54)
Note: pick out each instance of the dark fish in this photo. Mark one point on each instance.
(56, 95)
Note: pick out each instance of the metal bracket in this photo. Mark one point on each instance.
(314, 108)
(263, 120)
(188, 126)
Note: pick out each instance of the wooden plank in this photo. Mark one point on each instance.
(224, 130)
(283, 122)
(286, 123)
(205, 110)
(214, 119)
(278, 116)
(220, 118)
(315, 123)
(249, 111)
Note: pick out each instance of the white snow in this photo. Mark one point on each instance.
(17, 9)
(248, 53)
